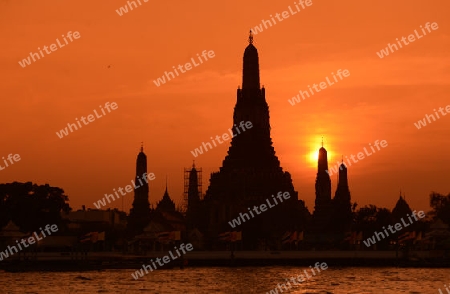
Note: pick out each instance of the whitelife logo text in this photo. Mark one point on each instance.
(128, 188)
(237, 221)
(69, 35)
(90, 118)
(188, 66)
(411, 38)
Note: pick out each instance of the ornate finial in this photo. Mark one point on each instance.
(250, 37)
(142, 146)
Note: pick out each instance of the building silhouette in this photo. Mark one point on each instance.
(166, 203)
(401, 209)
(250, 175)
(323, 208)
(140, 212)
(251, 172)
(332, 218)
(342, 207)
(193, 197)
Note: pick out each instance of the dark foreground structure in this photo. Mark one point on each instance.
(101, 261)
(251, 173)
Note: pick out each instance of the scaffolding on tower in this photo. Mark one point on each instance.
(187, 172)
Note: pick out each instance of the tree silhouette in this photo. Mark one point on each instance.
(370, 219)
(441, 206)
(31, 206)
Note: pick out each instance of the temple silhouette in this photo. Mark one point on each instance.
(322, 210)
(332, 218)
(250, 174)
(140, 212)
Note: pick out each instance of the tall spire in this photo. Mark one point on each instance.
(251, 171)
(343, 181)
(193, 186)
(251, 103)
(322, 208)
(250, 78)
(342, 207)
(322, 162)
(142, 146)
(140, 211)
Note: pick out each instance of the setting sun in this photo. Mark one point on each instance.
(313, 157)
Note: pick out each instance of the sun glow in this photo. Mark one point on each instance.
(313, 156)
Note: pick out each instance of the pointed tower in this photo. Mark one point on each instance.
(140, 212)
(251, 172)
(166, 204)
(193, 178)
(252, 148)
(342, 207)
(322, 209)
(401, 209)
(193, 188)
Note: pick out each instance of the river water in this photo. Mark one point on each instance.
(230, 280)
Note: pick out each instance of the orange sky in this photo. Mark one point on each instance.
(380, 100)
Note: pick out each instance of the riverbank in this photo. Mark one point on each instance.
(45, 261)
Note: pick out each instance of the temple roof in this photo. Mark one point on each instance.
(166, 203)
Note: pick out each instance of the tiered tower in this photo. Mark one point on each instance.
(192, 186)
(193, 196)
(140, 212)
(342, 207)
(251, 172)
(322, 209)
